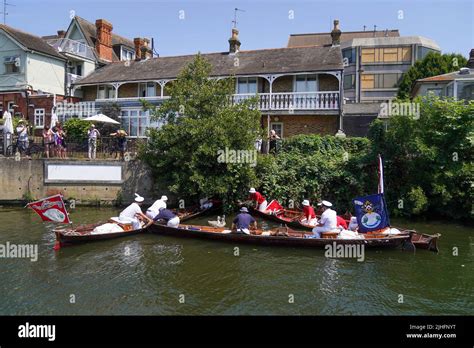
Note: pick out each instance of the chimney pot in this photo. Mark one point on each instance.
(234, 42)
(61, 33)
(336, 34)
(142, 48)
(470, 62)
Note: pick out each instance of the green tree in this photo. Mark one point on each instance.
(428, 161)
(199, 121)
(76, 129)
(432, 64)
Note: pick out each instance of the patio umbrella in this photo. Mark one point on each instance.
(101, 118)
(54, 119)
(8, 124)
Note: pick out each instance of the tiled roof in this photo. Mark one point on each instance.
(448, 77)
(320, 39)
(90, 33)
(254, 62)
(31, 42)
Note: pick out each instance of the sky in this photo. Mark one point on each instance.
(188, 26)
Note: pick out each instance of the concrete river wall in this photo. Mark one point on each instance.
(85, 182)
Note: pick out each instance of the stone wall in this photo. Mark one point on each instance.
(24, 179)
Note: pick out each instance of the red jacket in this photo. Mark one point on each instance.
(257, 197)
(309, 212)
(341, 222)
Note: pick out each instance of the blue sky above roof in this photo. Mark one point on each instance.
(188, 26)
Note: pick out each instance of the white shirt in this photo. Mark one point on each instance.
(130, 211)
(155, 208)
(329, 219)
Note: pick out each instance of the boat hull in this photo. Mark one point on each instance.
(65, 237)
(189, 231)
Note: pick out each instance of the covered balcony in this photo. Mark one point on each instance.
(74, 47)
(296, 92)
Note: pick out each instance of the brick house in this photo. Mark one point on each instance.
(299, 89)
(36, 73)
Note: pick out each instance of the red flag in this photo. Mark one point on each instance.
(51, 209)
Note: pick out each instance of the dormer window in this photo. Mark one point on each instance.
(126, 54)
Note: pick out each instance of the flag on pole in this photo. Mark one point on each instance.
(371, 212)
(51, 209)
(380, 171)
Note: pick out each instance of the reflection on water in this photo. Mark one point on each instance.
(147, 274)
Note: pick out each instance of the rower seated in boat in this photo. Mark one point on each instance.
(353, 225)
(341, 223)
(171, 219)
(328, 220)
(242, 222)
(133, 213)
(155, 208)
(260, 201)
(309, 214)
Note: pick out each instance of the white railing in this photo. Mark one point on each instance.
(129, 99)
(73, 47)
(293, 100)
(275, 101)
(72, 78)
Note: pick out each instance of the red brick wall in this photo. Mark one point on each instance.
(306, 124)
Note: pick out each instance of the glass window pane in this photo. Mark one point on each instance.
(151, 90)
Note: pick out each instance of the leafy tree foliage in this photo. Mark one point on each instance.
(199, 121)
(428, 161)
(433, 64)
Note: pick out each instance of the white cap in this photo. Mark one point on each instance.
(252, 190)
(353, 218)
(139, 198)
(306, 202)
(164, 198)
(326, 204)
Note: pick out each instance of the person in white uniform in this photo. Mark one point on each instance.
(154, 210)
(328, 220)
(133, 212)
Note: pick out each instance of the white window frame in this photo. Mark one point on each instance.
(146, 89)
(246, 83)
(148, 122)
(126, 54)
(40, 112)
(107, 89)
(11, 109)
(306, 82)
(278, 124)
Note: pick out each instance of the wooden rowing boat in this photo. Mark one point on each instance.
(293, 218)
(196, 211)
(84, 233)
(280, 236)
(286, 217)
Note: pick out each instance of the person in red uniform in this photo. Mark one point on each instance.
(309, 214)
(260, 201)
(341, 222)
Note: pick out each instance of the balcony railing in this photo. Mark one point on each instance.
(275, 101)
(293, 100)
(72, 78)
(73, 47)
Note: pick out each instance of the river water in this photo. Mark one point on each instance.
(153, 275)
